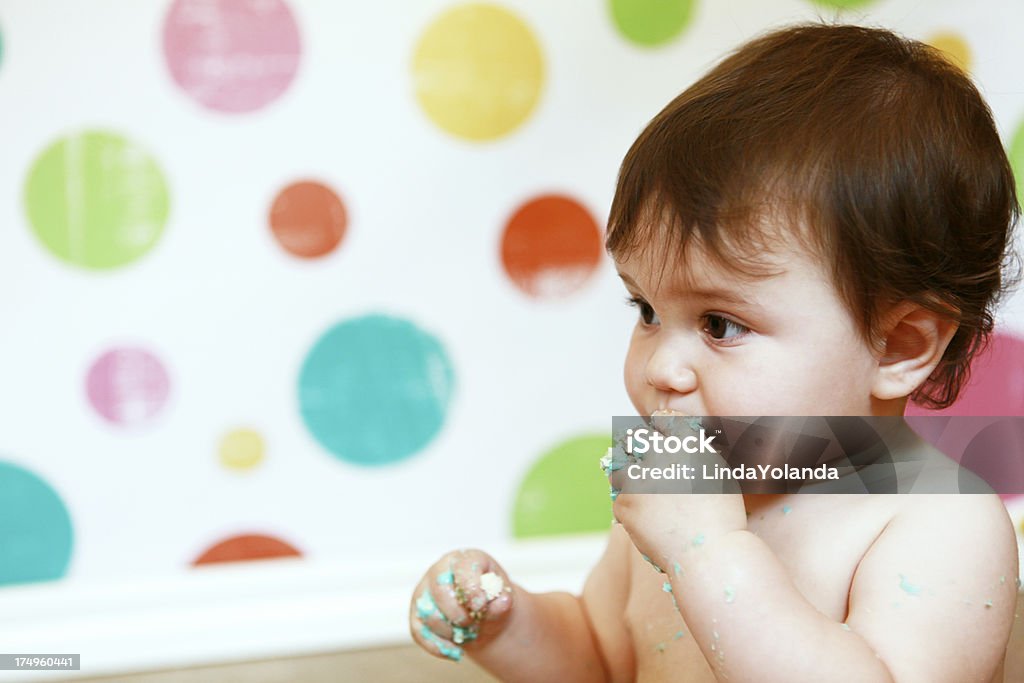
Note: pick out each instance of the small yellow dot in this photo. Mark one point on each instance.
(478, 71)
(954, 46)
(241, 449)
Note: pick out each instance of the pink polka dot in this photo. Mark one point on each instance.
(232, 56)
(127, 386)
(996, 386)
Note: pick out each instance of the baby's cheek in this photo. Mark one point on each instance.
(773, 388)
(634, 377)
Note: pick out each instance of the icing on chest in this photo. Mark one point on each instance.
(819, 539)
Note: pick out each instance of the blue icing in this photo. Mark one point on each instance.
(461, 635)
(651, 562)
(677, 569)
(786, 509)
(907, 587)
(667, 587)
(425, 605)
(452, 653)
(445, 578)
(698, 539)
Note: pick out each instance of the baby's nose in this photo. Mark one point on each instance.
(669, 369)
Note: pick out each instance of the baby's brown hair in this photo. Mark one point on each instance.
(873, 150)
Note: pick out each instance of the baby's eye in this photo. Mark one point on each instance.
(718, 327)
(647, 314)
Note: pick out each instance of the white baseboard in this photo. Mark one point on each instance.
(243, 611)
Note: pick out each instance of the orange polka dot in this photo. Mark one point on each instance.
(308, 219)
(247, 547)
(551, 246)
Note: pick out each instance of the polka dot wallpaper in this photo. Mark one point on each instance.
(299, 278)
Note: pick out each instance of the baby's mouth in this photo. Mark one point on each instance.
(669, 421)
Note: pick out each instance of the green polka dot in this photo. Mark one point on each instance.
(35, 529)
(843, 4)
(565, 491)
(1017, 155)
(651, 22)
(96, 200)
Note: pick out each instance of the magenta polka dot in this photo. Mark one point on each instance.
(127, 386)
(996, 386)
(232, 56)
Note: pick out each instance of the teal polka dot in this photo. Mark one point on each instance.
(35, 529)
(375, 390)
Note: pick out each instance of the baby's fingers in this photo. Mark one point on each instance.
(481, 585)
(431, 642)
(438, 604)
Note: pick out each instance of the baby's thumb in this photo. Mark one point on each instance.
(498, 592)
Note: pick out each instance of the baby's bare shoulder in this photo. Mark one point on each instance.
(940, 578)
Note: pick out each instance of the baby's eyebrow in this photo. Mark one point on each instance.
(712, 293)
(725, 295)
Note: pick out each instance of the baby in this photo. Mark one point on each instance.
(816, 227)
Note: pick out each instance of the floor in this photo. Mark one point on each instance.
(405, 664)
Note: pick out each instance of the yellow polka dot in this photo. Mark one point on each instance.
(954, 46)
(478, 71)
(241, 449)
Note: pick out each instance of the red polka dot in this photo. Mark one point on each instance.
(248, 547)
(551, 246)
(308, 219)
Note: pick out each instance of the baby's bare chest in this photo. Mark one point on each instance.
(818, 542)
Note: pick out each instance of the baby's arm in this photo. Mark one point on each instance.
(932, 600)
(935, 594)
(538, 636)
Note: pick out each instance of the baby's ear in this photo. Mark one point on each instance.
(915, 339)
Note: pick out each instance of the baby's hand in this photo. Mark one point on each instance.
(464, 597)
(663, 516)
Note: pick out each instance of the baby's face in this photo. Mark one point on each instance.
(710, 341)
